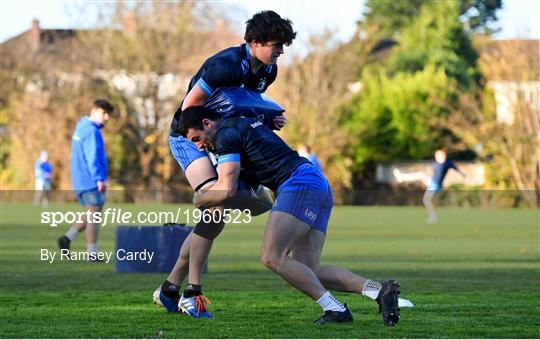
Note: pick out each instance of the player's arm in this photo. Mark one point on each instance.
(224, 188)
(279, 122)
(195, 97)
(94, 152)
(224, 73)
(458, 169)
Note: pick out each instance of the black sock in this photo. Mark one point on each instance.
(192, 290)
(170, 290)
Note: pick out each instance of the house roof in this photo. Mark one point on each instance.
(51, 49)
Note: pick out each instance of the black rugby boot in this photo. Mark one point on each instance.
(333, 316)
(388, 302)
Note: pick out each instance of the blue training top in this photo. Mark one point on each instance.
(440, 170)
(43, 170)
(264, 157)
(88, 158)
(229, 68)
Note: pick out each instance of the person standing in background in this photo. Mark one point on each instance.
(440, 169)
(43, 174)
(89, 173)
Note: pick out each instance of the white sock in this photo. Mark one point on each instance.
(72, 233)
(92, 248)
(329, 302)
(371, 289)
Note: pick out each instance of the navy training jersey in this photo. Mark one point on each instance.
(440, 170)
(264, 157)
(229, 68)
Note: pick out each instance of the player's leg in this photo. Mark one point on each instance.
(428, 203)
(180, 270)
(192, 301)
(64, 242)
(201, 243)
(406, 177)
(293, 216)
(308, 249)
(168, 294)
(38, 192)
(281, 232)
(201, 174)
(94, 202)
(92, 229)
(197, 171)
(46, 191)
(85, 198)
(194, 252)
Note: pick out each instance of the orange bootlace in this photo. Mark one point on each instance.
(200, 303)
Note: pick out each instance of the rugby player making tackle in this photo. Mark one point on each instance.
(296, 228)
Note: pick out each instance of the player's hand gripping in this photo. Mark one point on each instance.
(279, 122)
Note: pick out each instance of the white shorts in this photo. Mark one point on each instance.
(43, 184)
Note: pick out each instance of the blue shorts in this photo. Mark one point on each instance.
(90, 197)
(307, 196)
(434, 186)
(184, 151)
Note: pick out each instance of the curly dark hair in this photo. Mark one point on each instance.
(192, 118)
(268, 26)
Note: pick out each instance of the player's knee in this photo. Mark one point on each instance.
(317, 270)
(269, 259)
(209, 230)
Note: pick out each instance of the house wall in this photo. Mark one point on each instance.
(508, 93)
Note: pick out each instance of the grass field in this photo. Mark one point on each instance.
(475, 274)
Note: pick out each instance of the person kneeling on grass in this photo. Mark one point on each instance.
(296, 228)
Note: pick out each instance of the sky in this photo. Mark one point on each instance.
(517, 19)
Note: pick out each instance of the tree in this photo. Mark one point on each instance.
(157, 40)
(399, 117)
(392, 16)
(512, 145)
(43, 118)
(405, 100)
(437, 37)
(143, 45)
(311, 89)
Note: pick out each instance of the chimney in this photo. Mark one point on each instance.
(129, 23)
(35, 35)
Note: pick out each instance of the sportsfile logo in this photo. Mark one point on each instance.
(121, 216)
(310, 214)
